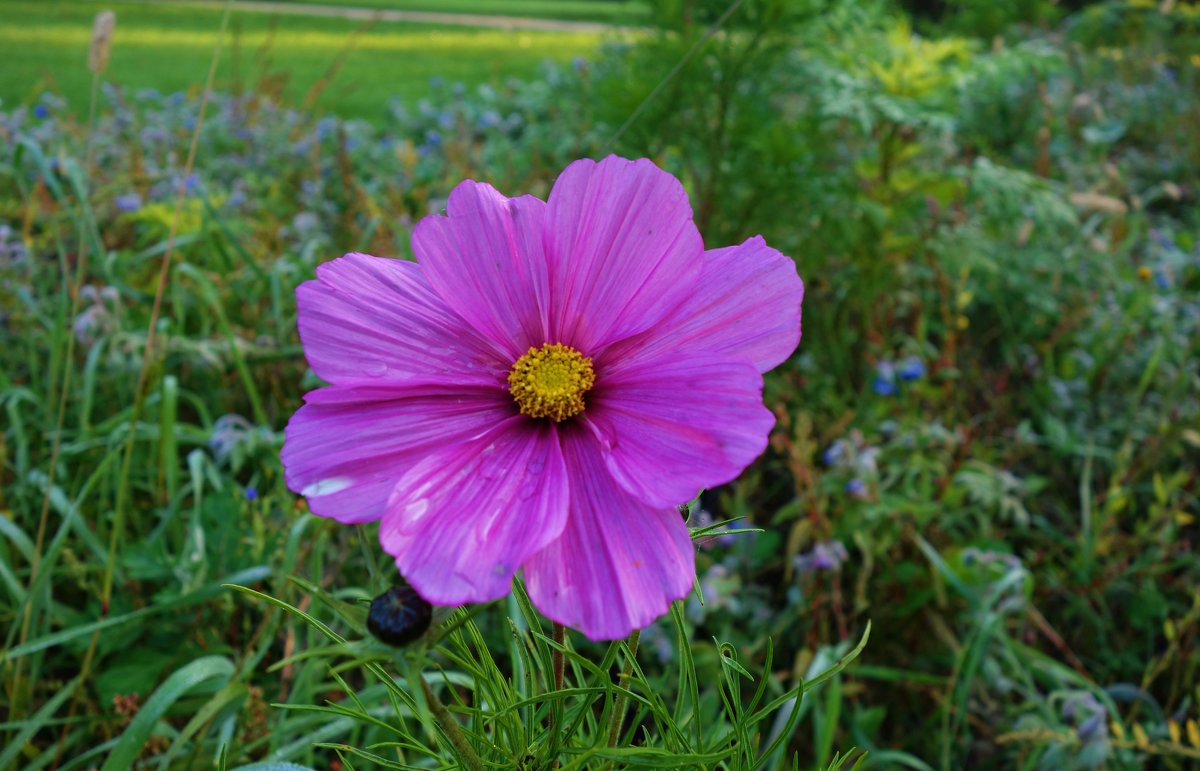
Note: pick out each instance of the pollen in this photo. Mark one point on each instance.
(549, 382)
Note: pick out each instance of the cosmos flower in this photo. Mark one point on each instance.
(541, 389)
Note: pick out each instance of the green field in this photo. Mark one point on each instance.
(169, 48)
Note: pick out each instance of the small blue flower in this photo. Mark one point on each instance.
(1162, 280)
(129, 202)
(251, 493)
(579, 63)
(834, 452)
(488, 119)
(436, 82)
(1094, 728)
(433, 139)
(912, 368)
(41, 111)
(856, 488)
(885, 379)
(884, 387)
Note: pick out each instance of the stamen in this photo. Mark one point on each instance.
(549, 382)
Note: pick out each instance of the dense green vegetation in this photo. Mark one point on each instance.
(987, 443)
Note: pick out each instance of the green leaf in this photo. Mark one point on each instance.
(179, 683)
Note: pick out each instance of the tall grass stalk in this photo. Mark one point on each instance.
(97, 61)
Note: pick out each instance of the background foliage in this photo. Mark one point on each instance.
(987, 443)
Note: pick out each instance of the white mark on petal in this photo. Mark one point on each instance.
(326, 487)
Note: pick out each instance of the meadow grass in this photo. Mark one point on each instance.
(164, 47)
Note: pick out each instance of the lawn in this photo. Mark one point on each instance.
(168, 48)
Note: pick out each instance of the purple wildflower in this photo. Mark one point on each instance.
(251, 493)
(41, 111)
(825, 555)
(856, 488)
(511, 401)
(130, 202)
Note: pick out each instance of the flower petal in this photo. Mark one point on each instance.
(485, 259)
(622, 247)
(373, 321)
(746, 304)
(670, 426)
(619, 563)
(463, 521)
(346, 448)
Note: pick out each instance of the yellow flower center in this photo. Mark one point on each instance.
(549, 382)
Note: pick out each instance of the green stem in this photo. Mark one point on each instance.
(560, 664)
(450, 727)
(618, 715)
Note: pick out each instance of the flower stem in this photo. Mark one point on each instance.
(559, 667)
(560, 664)
(618, 715)
(467, 755)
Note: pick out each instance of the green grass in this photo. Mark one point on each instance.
(610, 11)
(169, 48)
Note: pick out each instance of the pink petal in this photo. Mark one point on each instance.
(463, 521)
(346, 448)
(372, 321)
(668, 427)
(619, 563)
(486, 260)
(746, 304)
(622, 247)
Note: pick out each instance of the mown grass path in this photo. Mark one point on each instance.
(360, 13)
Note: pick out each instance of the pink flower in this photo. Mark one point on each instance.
(540, 389)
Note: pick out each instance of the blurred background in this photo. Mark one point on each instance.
(988, 442)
